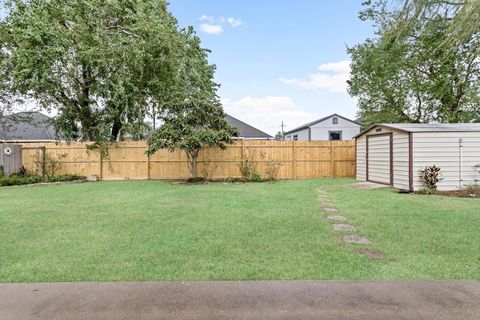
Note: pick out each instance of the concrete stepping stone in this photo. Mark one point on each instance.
(330, 209)
(344, 227)
(372, 254)
(355, 239)
(336, 218)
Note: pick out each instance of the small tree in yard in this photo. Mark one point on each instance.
(197, 118)
(190, 131)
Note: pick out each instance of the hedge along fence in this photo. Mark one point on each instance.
(128, 160)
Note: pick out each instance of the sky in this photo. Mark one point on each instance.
(278, 60)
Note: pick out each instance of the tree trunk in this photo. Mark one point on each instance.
(116, 127)
(192, 162)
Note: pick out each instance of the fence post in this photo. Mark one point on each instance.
(148, 166)
(332, 160)
(243, 153)
(294, 160)
(100, 161)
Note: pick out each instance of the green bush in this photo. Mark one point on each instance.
(256, 177)
(64, 178)
(16, 180)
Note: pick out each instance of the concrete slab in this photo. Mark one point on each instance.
(368, 185)
(242, 300)
(355, 239)
(336, 218)
(344, 227)
(330, 209)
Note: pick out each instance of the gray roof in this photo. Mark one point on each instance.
(246, 130)
(307, 125)
(427, 127)
(26, 126)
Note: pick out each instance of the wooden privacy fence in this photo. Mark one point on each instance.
(128, 160)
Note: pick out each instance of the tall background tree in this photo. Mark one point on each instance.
(103, 67)
(422, 66)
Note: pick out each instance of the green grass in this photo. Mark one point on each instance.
(152, 230)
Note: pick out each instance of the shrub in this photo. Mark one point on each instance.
(272, 169)
(431, 176)
(234, 180)
(2, 172)
(16, 179)
(196, 180)
(256, 177)
(64, 178)
(248, 170)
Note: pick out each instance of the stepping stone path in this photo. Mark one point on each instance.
(356, 239)
(327, 206)
(336, 218)
(344, 227)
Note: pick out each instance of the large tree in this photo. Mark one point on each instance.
(101, 66)
(413, 71)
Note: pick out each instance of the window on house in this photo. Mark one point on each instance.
(295, 137)
(288, 138)
(335, 135)
(335, 120)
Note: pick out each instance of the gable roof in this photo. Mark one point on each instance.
(245, 130)
(26, 126)
(307, 125)
(426, 127)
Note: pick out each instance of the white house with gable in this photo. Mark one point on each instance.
(333, 127)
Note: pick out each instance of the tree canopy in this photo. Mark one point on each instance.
(418, 68)
(102, 66)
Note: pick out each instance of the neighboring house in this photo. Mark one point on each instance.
(333, 127)
(26, 126)
(35, 126)
(395, 154)
(246, 131)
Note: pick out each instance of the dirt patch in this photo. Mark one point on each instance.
(473, 192)
(373, 254)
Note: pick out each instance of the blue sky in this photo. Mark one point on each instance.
(278, 59)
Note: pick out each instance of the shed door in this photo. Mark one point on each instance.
(379, 158)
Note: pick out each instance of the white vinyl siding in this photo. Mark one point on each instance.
(361, 159)
(302, 135)
(400, 160)
(321, 130)
(443, 150)
(379, 159)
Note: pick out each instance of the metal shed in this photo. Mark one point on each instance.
(394, 154)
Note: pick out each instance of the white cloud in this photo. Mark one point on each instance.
(267, 113)
(331, 77)
(211, 28)
(206, 18)
(234, 22)
(214, 25)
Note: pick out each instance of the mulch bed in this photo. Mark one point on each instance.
(463, 193)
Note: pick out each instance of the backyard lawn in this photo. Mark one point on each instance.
(153, 230)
